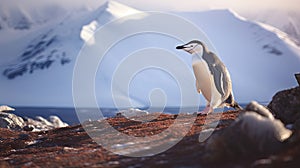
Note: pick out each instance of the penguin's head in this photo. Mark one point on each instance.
(192, 47)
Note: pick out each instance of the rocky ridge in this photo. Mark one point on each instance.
(14, 122)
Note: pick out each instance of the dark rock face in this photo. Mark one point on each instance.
(297, 76)
(286, 105)
(40, 54)
(22, 24)
(272, 49)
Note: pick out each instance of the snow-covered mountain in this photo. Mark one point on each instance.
(37, 62)
(22, 18)
(286, 20)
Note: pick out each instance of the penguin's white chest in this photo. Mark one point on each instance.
(205, 82)
(203, 77)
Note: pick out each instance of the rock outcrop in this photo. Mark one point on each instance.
(132, 112)
(285, 105)
(254, 132)
(135, 115)
(11, 121)
(297, 76)
(5, 108)
(14, 122)
(42, 124)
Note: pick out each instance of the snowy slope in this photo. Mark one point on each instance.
(287, 21)
(19, 17)
(37, 63)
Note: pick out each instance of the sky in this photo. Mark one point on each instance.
(166, 5)
(194, 5)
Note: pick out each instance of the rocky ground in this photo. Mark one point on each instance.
(254, 137)
(72, 147)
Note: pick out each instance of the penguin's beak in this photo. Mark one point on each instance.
(180, 47)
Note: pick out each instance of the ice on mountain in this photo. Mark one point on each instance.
(37, 57)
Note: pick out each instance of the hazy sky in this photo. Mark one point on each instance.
(168, 5)
(192, 5)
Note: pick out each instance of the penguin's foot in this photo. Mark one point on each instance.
(206, 111)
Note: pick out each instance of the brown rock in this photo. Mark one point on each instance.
(286, 105)
(298, 78)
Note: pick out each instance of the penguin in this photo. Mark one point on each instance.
(212, 77)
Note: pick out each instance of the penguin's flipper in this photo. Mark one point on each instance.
(220, 74)
(221, 79)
